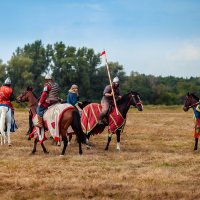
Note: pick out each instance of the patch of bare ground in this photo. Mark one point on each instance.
(156, 161)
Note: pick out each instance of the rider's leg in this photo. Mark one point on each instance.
(105, 107)
(40, 112)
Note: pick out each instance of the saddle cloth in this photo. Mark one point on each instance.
(90, 117)
(52, 119)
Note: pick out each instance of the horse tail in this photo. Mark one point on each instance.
(76, 125)
(3, 119)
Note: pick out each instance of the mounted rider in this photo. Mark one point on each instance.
(49, 97)
(73, 97)
(107, 100)
(6, 96)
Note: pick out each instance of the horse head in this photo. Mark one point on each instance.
(136, 100)
(23, 96)
(191, 101)
(28, 96)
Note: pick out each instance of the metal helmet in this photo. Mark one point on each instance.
(7, 81)
(48, 77)
(116, 80)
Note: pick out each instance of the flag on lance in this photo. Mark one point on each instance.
(102, 53)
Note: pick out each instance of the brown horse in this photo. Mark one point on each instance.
(69, 117)
(191, 101)
(123, 104)
(29, 96)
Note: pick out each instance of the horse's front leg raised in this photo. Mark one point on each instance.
(196, 143)
(109, 140)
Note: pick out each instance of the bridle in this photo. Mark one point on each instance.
(193, 105)
(22, 95)
(136, 103)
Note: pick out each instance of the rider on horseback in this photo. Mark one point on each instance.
(107, 100)
(73, 97)
(6, 96)
(49, 97)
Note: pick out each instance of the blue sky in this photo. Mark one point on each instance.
(159, 37)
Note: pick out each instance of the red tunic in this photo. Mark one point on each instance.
(5, 94)
(46, 90)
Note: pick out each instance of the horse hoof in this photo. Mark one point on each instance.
(33, 152)
(46, 152)
(195, 148)
(106, 149)
(9, 145)
(61, 155)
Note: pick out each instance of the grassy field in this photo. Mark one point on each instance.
(156, 161)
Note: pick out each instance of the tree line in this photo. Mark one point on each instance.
(82, 66)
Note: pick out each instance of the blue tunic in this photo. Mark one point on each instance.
(72, 98)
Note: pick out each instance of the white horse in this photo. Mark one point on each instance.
(5, 123)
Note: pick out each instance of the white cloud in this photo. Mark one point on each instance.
(186, 52)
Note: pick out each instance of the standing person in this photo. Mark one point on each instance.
(49, 96)
(107, 98)
(73, 97)
(6, 96)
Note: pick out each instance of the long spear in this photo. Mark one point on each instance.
(107, 67)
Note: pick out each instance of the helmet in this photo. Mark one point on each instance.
(7, 81)
(116, 80)
(48, 77)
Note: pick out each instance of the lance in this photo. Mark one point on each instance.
(107, 67)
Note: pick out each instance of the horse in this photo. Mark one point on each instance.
(29, 96)
(191, 101)
(5, 123)
(69, 117)
(91, 112)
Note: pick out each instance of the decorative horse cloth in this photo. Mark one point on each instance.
(90, 118)
(196, 119)
(51, 119)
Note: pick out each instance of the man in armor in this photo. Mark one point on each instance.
(49, 96)
(6, 96)
(107, 99)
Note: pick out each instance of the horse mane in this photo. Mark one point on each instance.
(31, 90)
(124, 97)
(194, 96)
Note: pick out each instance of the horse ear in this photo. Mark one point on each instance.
(188, 94)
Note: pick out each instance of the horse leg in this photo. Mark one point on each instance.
(80, 148)
(65, 141)
(35, 145)
(44, 148)
(109, 139)
(70, 138)
(196, 143)
(118, 139)
(8, 133)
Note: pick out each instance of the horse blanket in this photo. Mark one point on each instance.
(90, 117)
(51, 119)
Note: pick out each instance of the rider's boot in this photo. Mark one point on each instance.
(40, 121)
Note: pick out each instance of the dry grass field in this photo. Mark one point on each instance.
(156, 161)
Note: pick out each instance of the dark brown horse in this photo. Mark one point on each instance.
(191, 101)
(69, 117)
(130, 99)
